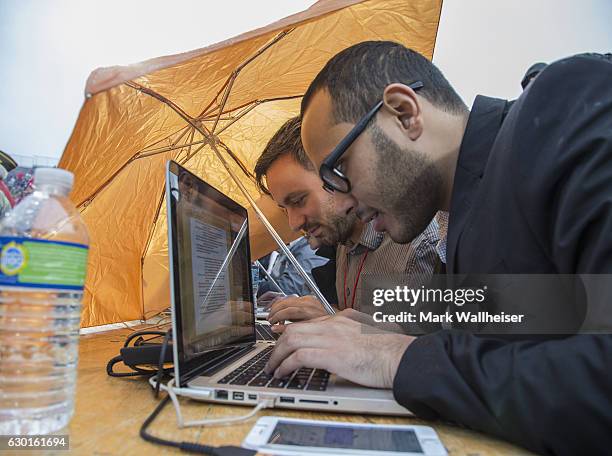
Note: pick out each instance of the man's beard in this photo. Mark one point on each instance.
(341, 227)
(408, 184)
(337, 229)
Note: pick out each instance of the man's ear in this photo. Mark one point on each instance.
(402, 102)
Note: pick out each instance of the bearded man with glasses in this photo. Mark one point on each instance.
(528, 188)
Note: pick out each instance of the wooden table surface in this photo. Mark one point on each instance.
(110, 411)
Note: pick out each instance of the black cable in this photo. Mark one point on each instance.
(151, 438)
(188, 447)
(141, 341)
(160, 365)
(139, 334)
(137, 371)
(138, 339)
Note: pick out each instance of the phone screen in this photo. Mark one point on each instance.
(347, 437)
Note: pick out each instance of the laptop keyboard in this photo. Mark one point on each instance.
(251, 373)
(264, 332)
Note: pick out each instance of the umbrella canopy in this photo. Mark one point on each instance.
(234, 95)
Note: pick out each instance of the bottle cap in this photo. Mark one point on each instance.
(53, 176)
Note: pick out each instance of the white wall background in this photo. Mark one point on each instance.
(48, 48)
(486, 46)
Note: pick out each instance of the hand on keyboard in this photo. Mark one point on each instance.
(269, 298)
(252, 373)
(294, 308)
(341, 346)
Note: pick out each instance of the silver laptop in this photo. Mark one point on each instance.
(217, 356)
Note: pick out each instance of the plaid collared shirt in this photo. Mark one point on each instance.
(376, 253)
(370, 240)
(442, 219)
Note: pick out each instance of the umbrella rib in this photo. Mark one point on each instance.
(212, 102)
(249, 103)
(252, 106)
(89, 199)
(150, 153)
(183, 130)
(263, 49)
(239, 116)
(190, 155)
(150, 237)
(225, 97)
(155, 217)
(230, 83)
(144, 254)
(187, 144)
(161, 200)
(190, 144)
(194, 123)
(163, 99)
(244, 169)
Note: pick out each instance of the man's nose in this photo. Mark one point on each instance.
(364, 212)
(344, 202)
(296, 219)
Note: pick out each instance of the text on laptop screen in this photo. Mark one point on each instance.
(213, 263)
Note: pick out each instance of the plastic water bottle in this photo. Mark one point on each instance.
(43, 261)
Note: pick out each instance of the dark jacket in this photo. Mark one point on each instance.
(532, 194)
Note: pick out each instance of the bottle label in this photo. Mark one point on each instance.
(38, 263)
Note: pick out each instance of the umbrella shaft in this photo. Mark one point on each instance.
(281, 244)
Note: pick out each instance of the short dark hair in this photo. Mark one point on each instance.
(357, 76)
(286, 141)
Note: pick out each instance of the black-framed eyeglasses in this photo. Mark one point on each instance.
(333, 179)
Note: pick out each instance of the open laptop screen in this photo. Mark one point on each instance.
(210, 258)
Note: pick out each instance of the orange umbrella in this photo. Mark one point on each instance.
(232, 96)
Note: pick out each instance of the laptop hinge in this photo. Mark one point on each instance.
(215, 361)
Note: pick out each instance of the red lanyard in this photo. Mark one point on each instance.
(365, 255)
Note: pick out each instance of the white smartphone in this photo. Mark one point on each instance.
(289, 436)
